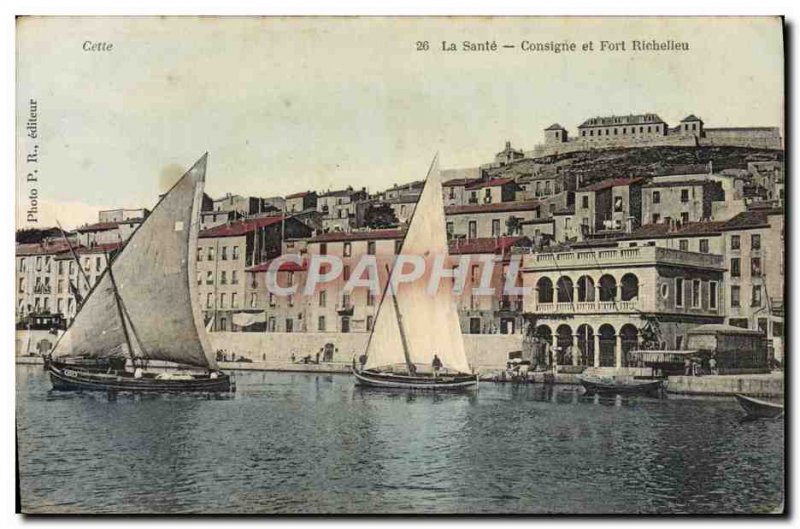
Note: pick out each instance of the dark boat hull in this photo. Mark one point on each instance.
(66, 378)
(759, 408)
(426, 383)
(596, 386)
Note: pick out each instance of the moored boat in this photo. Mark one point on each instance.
(143, 307)
(416, 341)
(759, 408)
(620, 386)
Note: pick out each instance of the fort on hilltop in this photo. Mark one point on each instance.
(645, 130)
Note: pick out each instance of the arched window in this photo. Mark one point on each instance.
(585, 289)
(544, 288)
(608, 288)
(629, 287)
(565, 289)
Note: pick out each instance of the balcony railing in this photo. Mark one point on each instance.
(622, 257)
(586, 307)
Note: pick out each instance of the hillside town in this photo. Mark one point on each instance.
(628, 237)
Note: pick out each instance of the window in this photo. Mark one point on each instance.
(756, 298)
(323, 248)
(222, 300)
(370, 247)
(585, 201)
(736, 296)
(22, 284)
(703, 245)
(224, 254)
(321, 323)
(323, 298)
(679, 292)
(346, 272)
(736, 242)
(755, 267)
(253, 299)
(272, 302)
(495, 227)
(684, 217)
(223, 278)
(347, 249)
(289, 325)
(209, 300)
(656, 218)
(755, 241)
(199, 278)
(234, 278)
(547, 187)
(449, 228)
(234, 300)
(777, 329)
(713, 295)
(209, 278)
(60, 267)
(87, 264)
(370, 299)
(60, 306)
(369, 323)
(736, 267)
(684, 195)
(398, 245)
(271, 324)
(656, 197)
(683, 244)
(235, 252)
(472, 229)
(71, 267)
(696, 284)
(60, 286)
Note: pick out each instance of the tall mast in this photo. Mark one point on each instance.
(119, 311)
(412, 369)
(74, 256)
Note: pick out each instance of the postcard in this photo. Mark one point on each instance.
(394, 266)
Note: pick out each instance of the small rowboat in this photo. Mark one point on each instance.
(759, 408)
(620, 386)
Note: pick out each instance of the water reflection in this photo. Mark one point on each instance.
(295, 442)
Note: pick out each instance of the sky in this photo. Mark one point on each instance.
(285, 105)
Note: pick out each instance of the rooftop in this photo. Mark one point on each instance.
(456, 182)
(555, 126)
(612, 182)
(479, 184)
(301, 194)
(690, 117)
(371, 235)
(241, 227)
(663, 229)
(105, 226)
(492, 245)
(520, 205)
(630, 119)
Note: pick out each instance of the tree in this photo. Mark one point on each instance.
(513, 226)
(380, 215)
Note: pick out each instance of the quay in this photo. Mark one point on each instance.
(754, 385)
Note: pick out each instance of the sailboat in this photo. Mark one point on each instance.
(414, 329)
(143, 307)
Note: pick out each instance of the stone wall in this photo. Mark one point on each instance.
(484, 351)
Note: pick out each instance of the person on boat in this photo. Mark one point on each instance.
(712, 365)
(137, 373)
(437, 365)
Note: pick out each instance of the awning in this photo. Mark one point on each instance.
(663, 356)
(245, 319)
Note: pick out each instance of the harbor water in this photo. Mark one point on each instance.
(315, 443)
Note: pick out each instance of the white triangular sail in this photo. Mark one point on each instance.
(154, 275)
(430, 320)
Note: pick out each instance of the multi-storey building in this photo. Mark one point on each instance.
(601, 301)
(495, 220)
(297, 202)
(683, 200)
(225, 252)
(614, 204)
